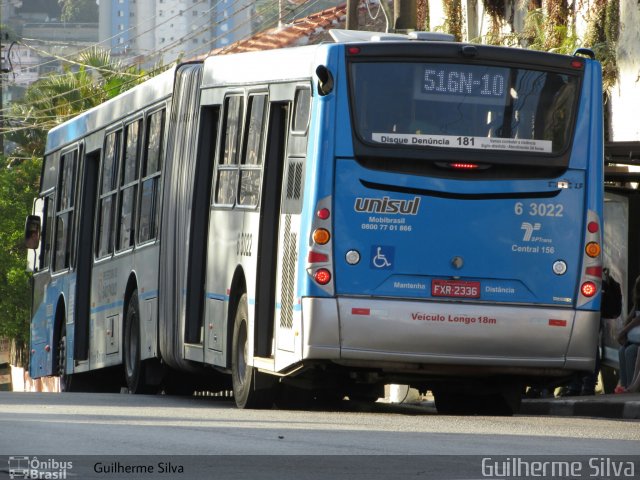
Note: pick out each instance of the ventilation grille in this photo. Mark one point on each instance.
(294, 180)
(288, 275)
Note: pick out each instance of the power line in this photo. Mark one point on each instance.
(57, 118)
(117, 35)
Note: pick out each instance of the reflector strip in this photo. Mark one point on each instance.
(315, 257)
(360, 311)
(557, 323)
(594, 271)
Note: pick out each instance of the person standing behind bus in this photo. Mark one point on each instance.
(629, 339)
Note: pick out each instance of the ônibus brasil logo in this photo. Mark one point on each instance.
(34, 468)
(387, 205)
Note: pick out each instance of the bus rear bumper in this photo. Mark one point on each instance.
(493, 338)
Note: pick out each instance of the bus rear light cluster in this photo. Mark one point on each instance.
(319, 258)
(591, 276)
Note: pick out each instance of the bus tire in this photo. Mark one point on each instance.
(66, 380)
(244, 377)
(134, 368)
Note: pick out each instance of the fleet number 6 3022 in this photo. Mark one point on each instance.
(539, 209)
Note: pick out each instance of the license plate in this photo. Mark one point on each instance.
(455, 288)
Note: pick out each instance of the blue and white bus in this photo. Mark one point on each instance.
(325, 220)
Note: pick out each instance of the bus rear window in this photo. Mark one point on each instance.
(461, 106)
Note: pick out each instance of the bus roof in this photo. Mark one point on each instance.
(260, 66)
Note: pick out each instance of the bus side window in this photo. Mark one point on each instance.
(227, 175)
(64, 211)
(128, 186)
(251, 167)
(151, 168)
(108, 190)
(296, 151)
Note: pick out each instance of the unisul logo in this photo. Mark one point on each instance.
(387, 205)
(33, 468)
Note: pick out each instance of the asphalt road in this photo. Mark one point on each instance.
(159, 429)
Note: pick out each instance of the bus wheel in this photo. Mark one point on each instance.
(134, 368)
(251, 389)
(65, 378)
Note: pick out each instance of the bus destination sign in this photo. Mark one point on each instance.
(484, 84)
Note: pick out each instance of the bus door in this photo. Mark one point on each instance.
(287, 307)
(276, 304)
(84, 260)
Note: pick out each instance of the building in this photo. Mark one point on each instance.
(152, 32)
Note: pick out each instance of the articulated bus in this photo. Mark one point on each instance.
(320, 221)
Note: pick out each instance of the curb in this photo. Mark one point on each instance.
(582, 407)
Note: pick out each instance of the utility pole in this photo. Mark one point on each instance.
(405, 17)
(3, 70)
(5, 67)
(352, 14)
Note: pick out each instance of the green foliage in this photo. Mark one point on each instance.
(602, 35)
(536, 34)
(18, 187)
(496, 12)
(453, 18)
(552, 30)
(424, 15)
(80, 11)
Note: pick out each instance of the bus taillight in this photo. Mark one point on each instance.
(321, 236)
(593, 227)
(464, 166)
(592, 249)
(322, 276)
(323, 213)
(588, 289)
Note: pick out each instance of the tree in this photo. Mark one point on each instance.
(81, 11)
(18, 187)
(91, 79)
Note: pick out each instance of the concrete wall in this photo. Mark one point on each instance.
(625, 101)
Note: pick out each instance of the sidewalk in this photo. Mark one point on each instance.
(621, 406)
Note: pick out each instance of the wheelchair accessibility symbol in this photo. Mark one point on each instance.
(382, 257)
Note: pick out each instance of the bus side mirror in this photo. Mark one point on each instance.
(32, 232)
(325, 80)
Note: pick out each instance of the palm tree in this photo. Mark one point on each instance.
(85, 82)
